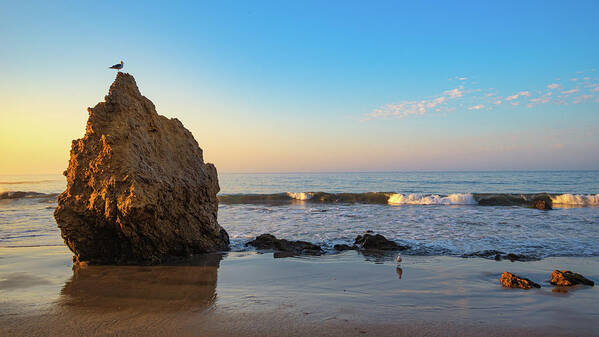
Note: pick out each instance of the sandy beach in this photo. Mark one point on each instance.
(247, 293)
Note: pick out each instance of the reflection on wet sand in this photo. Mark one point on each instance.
(143, 288)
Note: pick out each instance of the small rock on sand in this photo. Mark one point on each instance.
(510, 280)
(568, 278)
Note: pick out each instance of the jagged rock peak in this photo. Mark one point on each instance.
(138, 190)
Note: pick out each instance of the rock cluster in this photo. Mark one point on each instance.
(138, 190)
(510, 280)
(284, 247)
(568, 278)
(563, 278)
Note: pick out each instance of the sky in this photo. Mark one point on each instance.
(294, 86)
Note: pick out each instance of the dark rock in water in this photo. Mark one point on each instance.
(362, 198)
(518, 257)
(341, 247)
(377, 242)
(500, 200)
(499, 255)
(568, 278)
(510, 280)
(138, 190)
(543, 202)
(540, 201)
(284, 247)
(487, 254)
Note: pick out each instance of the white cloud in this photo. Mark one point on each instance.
(582, 98)
(454, 93)
(464, 97)
(545, 98)
(515, 96)
(571, 91)
(435, 102)
(524, 93)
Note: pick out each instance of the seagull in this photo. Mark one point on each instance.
(398, 258)
(118, 66)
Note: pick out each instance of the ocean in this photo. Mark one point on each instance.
(435, 213)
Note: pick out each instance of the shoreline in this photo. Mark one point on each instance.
(249, 293)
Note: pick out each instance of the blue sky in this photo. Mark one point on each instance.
(314, 86)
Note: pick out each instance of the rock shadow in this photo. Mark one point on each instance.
(189, 286)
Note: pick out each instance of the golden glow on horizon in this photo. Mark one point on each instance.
(36, 135)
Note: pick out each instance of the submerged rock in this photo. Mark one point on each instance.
(510, 280)
(486, 254)
(287, 248)
(542, 202)
(342, 247)
(499, 255)
(377, 242)
(138, 190)
(568, 278)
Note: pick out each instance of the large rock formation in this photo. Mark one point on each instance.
(138, 190)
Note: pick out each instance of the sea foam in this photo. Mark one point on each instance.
(431, 199)
(299, 195)
(576, 199)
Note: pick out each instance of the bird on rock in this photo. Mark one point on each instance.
(118, 66)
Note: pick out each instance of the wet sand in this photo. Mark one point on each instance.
(240, 294)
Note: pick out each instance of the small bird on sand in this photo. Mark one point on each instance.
(118, 66)
(398, 258)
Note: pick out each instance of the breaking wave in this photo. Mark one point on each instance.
(576, 199)
(487, 199)
(15, 195)
(431, 199)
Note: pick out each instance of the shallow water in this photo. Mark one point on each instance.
(245, 293)
(433, 229)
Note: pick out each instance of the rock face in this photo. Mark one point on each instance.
(377, 242)
(138, 190)
(510, 280)
(568, 278)
(288, 248)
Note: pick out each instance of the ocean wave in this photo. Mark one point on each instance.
(431, 199)
(26, 182)
(300, 195)
(576, 199)
(484, 199)
(15, 195)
